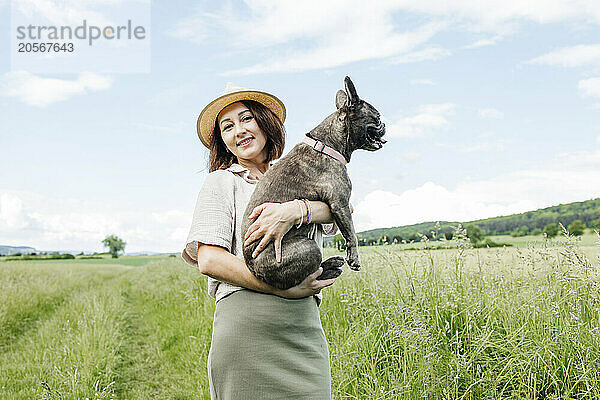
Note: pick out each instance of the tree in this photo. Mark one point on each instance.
(576, 228)
(338, 242)
(474, 233)
(520, 231)
(114, 244)
(551, 230)
(383, 239)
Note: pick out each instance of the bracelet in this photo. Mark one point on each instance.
(299, 202)
(307, 211)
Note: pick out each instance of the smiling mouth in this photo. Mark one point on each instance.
(245, 142)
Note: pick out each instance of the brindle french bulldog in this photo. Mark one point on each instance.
(307, 173)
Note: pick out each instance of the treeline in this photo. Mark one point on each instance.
(36, 256)
(400, 234)
(576, 216)
(588, 212)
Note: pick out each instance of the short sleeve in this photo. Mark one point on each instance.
(212, 222)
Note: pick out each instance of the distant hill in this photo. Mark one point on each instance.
(587, 211)
(9, 250)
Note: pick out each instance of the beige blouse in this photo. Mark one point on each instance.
(218, 217)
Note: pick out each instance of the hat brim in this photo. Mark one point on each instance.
(206, 120)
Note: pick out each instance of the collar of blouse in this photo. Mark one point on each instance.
(243, 172)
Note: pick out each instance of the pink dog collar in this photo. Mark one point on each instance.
(322, 148)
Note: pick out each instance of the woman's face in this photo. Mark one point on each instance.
(241, 133)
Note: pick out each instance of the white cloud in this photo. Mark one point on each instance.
(11, 212)
(316, 34)
(563, 180)
(589, 87)
(197, 28)
(491, 113)
(350, 44)
(73, 224)
(429, 202)
(598, 139)
(40, 92)
(497, 16)
(313, 34)
(71, 12)
(483, 42)
(429, 118)
(427, 82)
(573, 56)
(580, 159)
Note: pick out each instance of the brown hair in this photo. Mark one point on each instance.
(221, 158)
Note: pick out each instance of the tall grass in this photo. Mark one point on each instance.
(441, 324)
(467, 324)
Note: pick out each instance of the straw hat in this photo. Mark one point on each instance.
(206, 120)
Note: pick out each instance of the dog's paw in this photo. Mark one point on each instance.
(330, 273)
(333, 262)
(354, 263)
(352, 258)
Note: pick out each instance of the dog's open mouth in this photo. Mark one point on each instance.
(375, 135)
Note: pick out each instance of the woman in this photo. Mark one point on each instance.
(266, 343)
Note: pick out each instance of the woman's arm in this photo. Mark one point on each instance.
(321, 214)
(276, 219)
(218, 263)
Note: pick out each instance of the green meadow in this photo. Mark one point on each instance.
(518, 322)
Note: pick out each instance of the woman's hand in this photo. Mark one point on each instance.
(308, 287)
(273, 222)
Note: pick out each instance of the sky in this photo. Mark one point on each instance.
(491, 108)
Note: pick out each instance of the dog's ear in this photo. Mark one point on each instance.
(341, 99)
(351, 91)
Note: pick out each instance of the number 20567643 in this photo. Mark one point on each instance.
(45, 47)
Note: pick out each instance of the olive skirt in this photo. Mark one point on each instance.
(268, 347)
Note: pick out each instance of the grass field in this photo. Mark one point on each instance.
(587, 239)
(519, 322)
